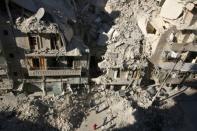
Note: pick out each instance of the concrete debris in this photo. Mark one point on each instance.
(35, 25)
(190, 6)
(171, 9)
(143, 23)
(96, 64)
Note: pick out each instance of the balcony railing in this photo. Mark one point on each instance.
(60, 72)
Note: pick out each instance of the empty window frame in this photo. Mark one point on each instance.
(34, 42)
(55, 41)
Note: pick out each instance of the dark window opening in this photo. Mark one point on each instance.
(94, 69)
(117, 88)
(70, 61)
(151, 82)
(30, 88)
(54, 42)
(52, 63)
(11, 55)
(5, 32)
(191, 57)
(60, 63)
(15, 73)
(36, 63)
(118, 73)
(194, 11)
(108, 87)
(61, 43)
(83, 73)
(33, 41)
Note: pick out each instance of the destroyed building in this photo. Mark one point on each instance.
(46, 46)
(39, 53)
(171, 41)
(168, 46)
(82, 64)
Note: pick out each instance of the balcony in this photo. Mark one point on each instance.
(60, 72)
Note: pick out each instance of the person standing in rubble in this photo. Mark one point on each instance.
(95, 126)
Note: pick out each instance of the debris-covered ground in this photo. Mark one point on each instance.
(120, 35)
(105, 108)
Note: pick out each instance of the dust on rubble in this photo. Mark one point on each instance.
(106, 108)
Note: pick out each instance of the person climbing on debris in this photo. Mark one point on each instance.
(97, 109)
(104, 121)
(95, 126)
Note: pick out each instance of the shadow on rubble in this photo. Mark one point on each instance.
(10, 122)
(181, 116)
(94, 24)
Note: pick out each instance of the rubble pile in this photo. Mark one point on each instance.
(129, 54)
(34, 24)
(124, 62)
(59, 113)
(124, 42)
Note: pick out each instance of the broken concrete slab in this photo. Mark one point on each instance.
(190, 6)
(108, 8)
(142, 23)
(171, 9)
(40, 13)
(188, 18)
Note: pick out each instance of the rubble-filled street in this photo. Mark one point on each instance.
(98, 65)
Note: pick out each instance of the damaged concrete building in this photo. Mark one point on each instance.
(171, 41)
(39, 52)
(97, 64)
